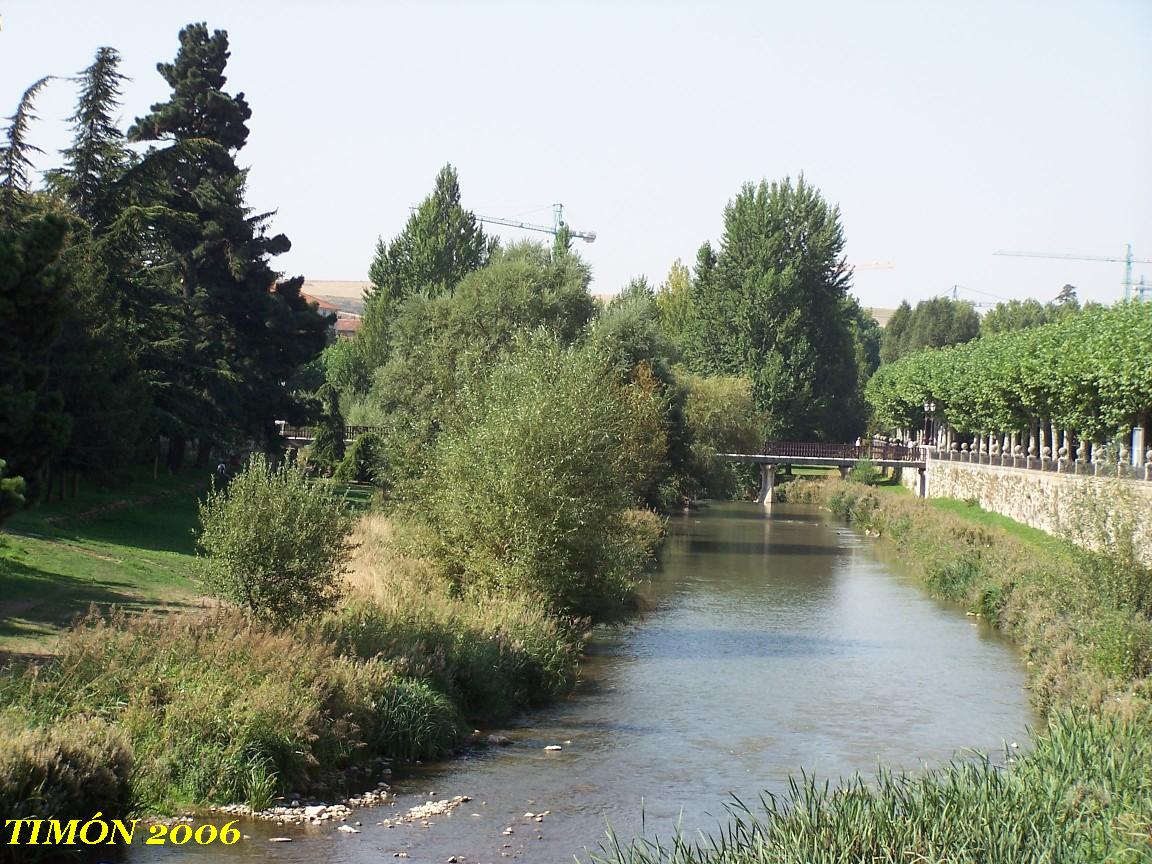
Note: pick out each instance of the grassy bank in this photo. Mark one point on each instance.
(209, 707)
(131, 547)
(1083, 793)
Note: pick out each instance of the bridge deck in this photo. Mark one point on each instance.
(818, 461)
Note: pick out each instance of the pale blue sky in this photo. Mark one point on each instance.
(944, 130)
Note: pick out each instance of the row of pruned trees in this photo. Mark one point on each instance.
(1088, 374)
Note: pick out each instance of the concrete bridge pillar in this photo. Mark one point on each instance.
(767, 484)
(844, 469)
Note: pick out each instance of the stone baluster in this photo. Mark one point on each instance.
(1124, 460)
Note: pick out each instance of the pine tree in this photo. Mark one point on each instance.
(772, 308)
(98, 157)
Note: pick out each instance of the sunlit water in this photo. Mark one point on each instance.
(775, 643)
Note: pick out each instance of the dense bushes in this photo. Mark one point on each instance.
(219, 709)
(273, 542)
(492, 655)
(530, 484)
(216, 707)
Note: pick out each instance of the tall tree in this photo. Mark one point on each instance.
(238, 333)
(440, 244)
(98, 156)
(16, 154)
(773, 308)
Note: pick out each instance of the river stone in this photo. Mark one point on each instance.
(314, 811)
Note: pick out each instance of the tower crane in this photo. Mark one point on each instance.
(1127, 261)
(558, 224)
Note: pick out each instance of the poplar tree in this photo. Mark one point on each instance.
(440, 244)
(771, 306)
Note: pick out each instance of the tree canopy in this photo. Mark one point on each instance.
(770, 305)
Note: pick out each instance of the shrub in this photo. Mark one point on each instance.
(863, 471)
(530, 484)
(273, 543)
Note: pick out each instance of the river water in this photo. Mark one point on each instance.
(774, 642)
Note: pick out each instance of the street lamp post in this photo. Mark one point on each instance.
(929, 421)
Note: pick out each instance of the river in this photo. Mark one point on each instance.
(774, 642)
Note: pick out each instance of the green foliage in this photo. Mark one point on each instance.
(1086, 372)
(328, 447)
(232, 333)
(33, 304)
(442, 344)
(274, 543)
(16, 156)
(772, 308)
(97, 160)
(629, 335)
(674, 304)
(441, 244)
(11, 493)
(721, 418)
(530, 483)
(365, 462)
(863, 471)
(933, 323)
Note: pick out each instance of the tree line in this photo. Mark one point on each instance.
(139, 304)
(1086, 372)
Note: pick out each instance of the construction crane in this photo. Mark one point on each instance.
(1127, 261)
(871, 265)
(956, 289)
(558, 224)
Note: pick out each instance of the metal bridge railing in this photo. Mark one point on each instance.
(825, 450)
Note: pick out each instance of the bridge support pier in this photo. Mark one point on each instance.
(844, 469)
(767, 484)
(922, 482)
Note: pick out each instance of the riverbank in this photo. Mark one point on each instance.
(1080, 795)
(160, 711)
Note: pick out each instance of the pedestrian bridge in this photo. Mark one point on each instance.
(774, 454)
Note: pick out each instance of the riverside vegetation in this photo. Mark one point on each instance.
(1081, 793)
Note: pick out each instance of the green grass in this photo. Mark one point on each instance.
(132, 547)
(976, 515)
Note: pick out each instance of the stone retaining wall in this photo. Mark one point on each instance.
(1084, 509)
